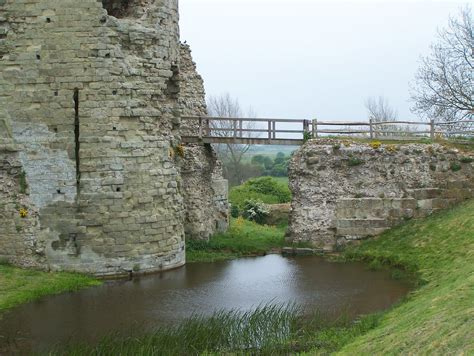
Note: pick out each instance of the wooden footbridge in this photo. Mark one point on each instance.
(259, 131)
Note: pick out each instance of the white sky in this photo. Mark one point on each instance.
(306, 59)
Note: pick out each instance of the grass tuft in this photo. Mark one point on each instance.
(272, 329)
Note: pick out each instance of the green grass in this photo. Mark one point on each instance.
(19, 286)
(244, 238)
(439, 316)
(267, 330)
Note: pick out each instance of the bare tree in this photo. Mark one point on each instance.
(444, 84)
(379, 110)
(225, 106)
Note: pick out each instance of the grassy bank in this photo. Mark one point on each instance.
(439, 316)
(244, 238)
(19, 286)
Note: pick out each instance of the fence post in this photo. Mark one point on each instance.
(269, 129)
(432, 129)
(371, 129)
(234, 123)
(240, 128)
(274, 129)
(315, 128)
(305, 128)
(200, 128)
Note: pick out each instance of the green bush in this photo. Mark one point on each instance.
(455, 166)
(255, 211)
(353, 162)
(234, 211)
(265, 189)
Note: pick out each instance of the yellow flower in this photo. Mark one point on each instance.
(240, 221)
(23, 213)
(391, 148)
(375, 145)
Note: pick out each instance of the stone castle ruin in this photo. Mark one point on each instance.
(376, 188)
(93, 175)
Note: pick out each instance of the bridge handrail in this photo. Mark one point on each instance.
(315, 127)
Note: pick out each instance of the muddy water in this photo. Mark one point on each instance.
(172, 296)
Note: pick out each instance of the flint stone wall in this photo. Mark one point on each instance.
(90, 115)
(205, 191)
(345, 193)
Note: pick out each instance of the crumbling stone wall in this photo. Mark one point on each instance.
(346, 191)
(19, 233)
(93, 105)
(204, 188)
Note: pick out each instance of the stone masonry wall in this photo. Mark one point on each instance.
(91, 105)
(204, 188)
(345, 191)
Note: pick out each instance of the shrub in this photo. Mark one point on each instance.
(466, 159)
(265, 189)
(234, 211)
(255, 211)
(455, 166)
(353, 161)
(307, 136)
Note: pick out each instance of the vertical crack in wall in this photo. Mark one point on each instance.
(76, 139)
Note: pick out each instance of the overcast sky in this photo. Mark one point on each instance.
(309, 58)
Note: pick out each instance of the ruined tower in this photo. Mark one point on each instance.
(91, 99)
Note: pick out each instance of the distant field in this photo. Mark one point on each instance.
(283, 180)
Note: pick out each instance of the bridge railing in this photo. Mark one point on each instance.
(269, 131)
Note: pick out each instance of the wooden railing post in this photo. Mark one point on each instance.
(315, 128)
(274, 129)
(234, 123)
(432, 129)
(371, 128)
(305, 128)
(269, 129)
(241, 128)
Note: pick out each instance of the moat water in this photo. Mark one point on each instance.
(202, 288)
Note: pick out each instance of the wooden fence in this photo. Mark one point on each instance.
(266, 131)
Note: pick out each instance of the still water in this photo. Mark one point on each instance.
(169, 297)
